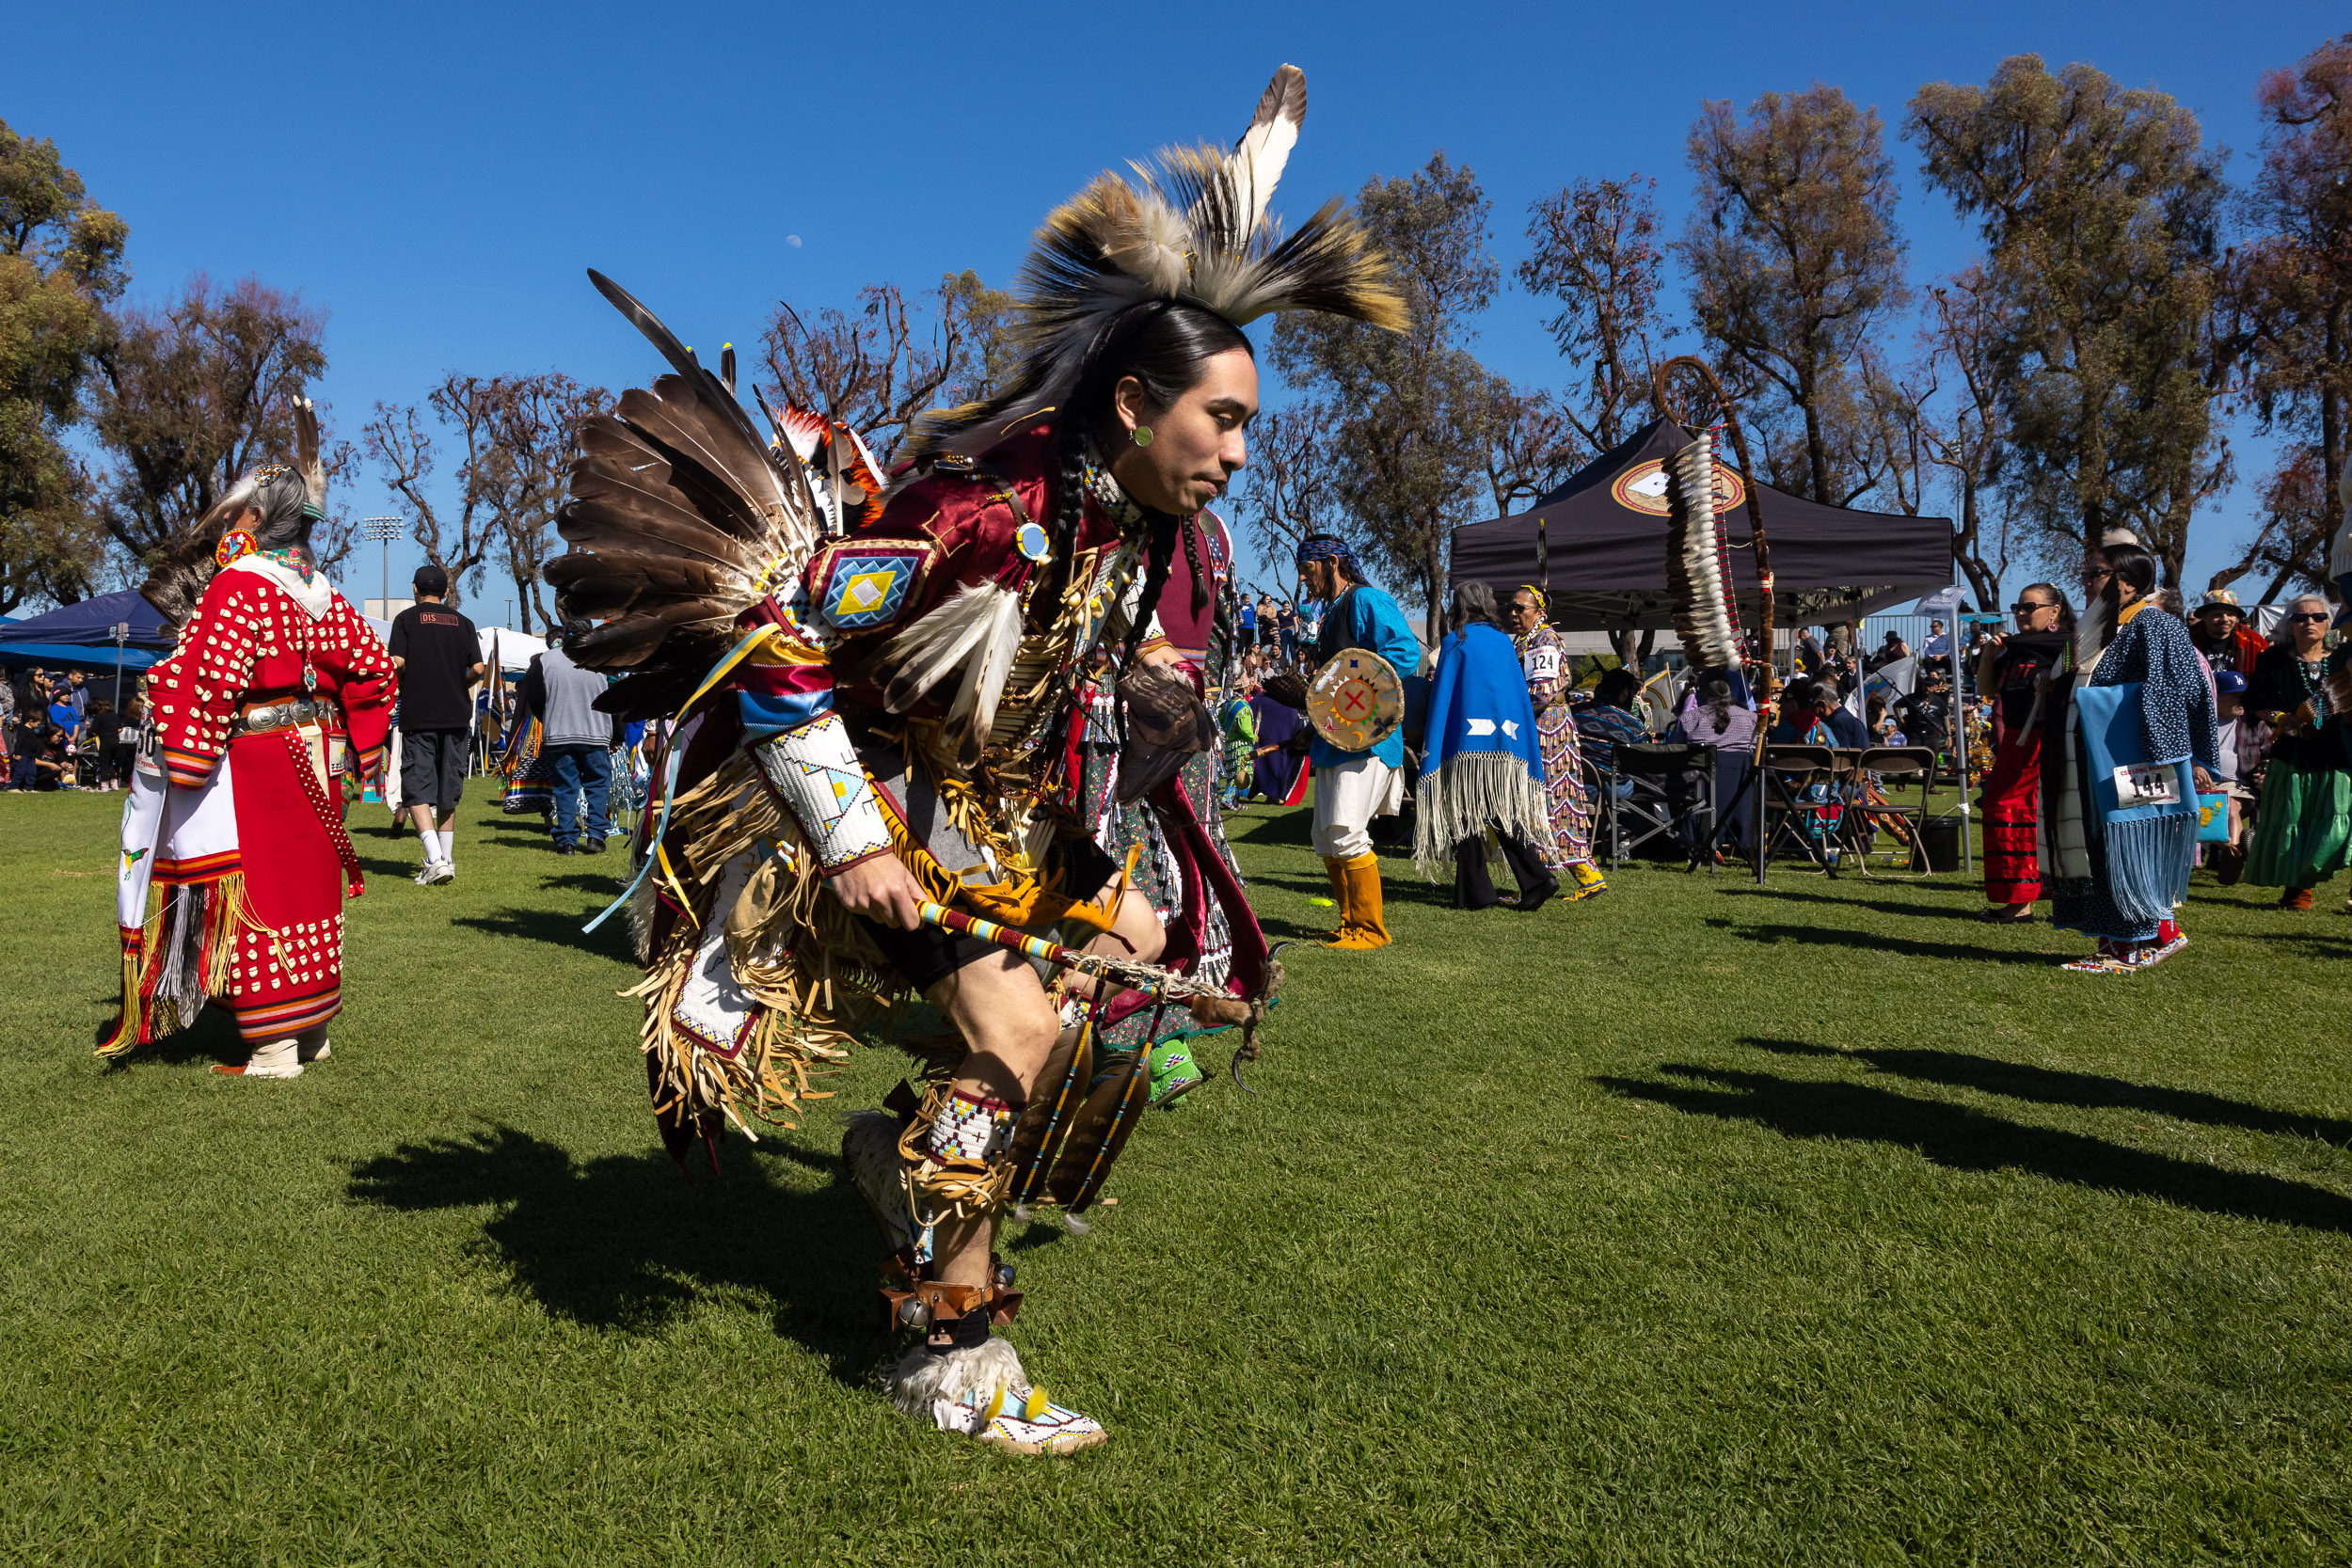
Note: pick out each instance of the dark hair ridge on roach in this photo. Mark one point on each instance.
(1166, 345)
(2132, 564)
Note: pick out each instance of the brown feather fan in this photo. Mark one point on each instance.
(677, 515)
(655, 694)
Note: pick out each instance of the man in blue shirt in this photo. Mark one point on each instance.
(1353, 787)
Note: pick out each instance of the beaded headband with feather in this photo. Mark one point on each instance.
(1193, 228)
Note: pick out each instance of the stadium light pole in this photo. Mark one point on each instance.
(383, 531)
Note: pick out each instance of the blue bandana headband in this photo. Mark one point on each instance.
(1331, 547)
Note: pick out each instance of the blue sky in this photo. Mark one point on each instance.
(437, 177)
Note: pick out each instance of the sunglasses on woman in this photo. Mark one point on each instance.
(2309, 616)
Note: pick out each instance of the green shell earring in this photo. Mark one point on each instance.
(1143, 436)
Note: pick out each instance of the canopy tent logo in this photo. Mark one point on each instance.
(1643, 489)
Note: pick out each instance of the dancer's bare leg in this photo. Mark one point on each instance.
(1000, 1009)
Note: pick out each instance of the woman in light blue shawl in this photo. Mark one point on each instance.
(2135, 747)
(1482, 764)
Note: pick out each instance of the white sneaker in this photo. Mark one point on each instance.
(437, 872)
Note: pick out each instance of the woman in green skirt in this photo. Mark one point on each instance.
(2303, 834)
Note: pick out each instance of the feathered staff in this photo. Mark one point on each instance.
(1769, 687)
(1766, 688)
(1698, 567)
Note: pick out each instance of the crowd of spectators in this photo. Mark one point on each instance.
(61, 734)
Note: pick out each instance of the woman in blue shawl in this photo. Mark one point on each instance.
(1481, 762)
(2133, 746)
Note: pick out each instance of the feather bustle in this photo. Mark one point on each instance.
(677, 511)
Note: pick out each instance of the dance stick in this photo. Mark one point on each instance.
(1154, 982)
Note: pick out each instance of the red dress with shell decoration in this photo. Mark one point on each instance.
(264, 635)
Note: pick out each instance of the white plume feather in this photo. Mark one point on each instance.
(984, 673)
(926, 653)
(1157, 250)
(1265, 149)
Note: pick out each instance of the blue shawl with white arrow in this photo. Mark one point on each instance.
(1481, 762)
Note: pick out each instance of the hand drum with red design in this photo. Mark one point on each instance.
(1356, 700)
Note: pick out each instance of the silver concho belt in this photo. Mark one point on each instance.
(279, 716)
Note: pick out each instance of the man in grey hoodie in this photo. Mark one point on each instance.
(576, 743)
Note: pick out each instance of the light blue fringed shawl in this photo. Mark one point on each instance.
(2147, 849)
(1481, 761)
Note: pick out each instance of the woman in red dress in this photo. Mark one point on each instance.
(275, 680)
(2013, 667)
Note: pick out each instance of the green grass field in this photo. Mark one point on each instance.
(1699, 1224)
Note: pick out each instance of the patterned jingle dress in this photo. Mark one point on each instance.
(1546, 666)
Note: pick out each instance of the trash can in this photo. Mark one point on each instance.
(1939, 843)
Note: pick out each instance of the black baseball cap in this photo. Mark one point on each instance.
(431, 578)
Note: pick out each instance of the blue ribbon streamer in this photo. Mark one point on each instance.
(653, 844)
(669, 780)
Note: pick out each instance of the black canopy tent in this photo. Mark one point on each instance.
(1605, 530)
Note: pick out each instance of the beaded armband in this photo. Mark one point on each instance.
(816, 772)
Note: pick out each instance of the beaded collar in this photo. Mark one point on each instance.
(1107, 491)
(294, 559)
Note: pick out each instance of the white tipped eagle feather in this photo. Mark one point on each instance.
(1265, 149)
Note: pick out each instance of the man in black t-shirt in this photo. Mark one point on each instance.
(438, 658)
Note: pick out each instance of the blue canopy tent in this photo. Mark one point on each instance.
(82, 637)
(69, 656)
(92, 622)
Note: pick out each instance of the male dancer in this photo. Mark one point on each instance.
(1353, 787)
(874, 721)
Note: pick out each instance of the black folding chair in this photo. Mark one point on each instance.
(1788, 772)
(1659, 773)
(1891, 763)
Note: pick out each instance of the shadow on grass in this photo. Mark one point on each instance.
(603, 885)
(1273, 825)
(517, 839)
(2323, 945)
(2089, 1090)
(1822, 936)
(621, 1243)
(1961, 1139)
(212, 1037)
(1883, 906)
(557, 927)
